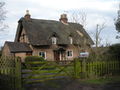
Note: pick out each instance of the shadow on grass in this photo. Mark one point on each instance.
(57, 84)
(6, 82)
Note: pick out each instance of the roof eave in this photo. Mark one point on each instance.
(21, 51)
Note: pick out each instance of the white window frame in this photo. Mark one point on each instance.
(54, 40)
(71, 40)
(67, 54)
(42, 52)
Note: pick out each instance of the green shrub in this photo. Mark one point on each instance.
(34, 58)
(33, 61)
(114, 51)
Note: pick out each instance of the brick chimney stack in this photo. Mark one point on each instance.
(27, 15)
(63, 18)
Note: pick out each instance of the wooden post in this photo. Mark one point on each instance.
(77, 68)
(83, 67)
(18, 74)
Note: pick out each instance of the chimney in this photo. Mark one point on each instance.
(27, 15)
(63, 18)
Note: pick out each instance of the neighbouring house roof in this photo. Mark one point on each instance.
(39, 32)
(18, 47)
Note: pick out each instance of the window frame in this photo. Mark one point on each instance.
(42, 52)
(71, 53)
(71, 40)
(54, 40)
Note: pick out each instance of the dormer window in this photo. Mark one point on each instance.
(71, 40)
(54, 40)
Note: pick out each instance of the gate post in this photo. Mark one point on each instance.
(83, 67)
(18, 74)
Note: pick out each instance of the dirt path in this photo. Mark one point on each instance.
(109, 86)
(72, 85)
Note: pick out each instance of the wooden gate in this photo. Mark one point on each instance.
(41, 71)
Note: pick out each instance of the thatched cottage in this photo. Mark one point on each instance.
(53, 40)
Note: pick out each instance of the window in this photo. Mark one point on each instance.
(54, 40)
(71, 40)
(69, 53)
(42, 54)
(23, 37)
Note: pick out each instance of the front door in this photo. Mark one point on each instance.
(57, 55)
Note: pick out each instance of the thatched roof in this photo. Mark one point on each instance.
(18, 47)
(39, 32)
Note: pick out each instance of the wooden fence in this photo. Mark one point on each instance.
(10, 73)
(40, 71)
(92, 69)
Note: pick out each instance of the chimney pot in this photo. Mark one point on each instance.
(27, 15)
(63, 18)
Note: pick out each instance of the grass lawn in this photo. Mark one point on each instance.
(102, 80)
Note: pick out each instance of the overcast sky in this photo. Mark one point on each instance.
(98, 11)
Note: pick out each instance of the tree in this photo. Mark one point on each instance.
(79, 17)
(117, 23)
(97, 38)
(2, 16)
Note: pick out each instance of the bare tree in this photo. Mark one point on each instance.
(2, 16)
(81, 18)
(78, 17)
(107, 42)
(96, 34)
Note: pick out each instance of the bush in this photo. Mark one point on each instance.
(33, 61)
(114, 51)
(34, 58)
